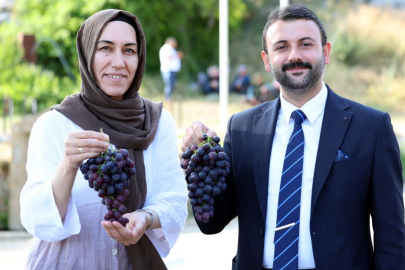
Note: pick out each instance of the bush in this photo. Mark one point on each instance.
(370, 36)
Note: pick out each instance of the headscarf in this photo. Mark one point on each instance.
(131, 123)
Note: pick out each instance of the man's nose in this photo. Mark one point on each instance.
(295, 55)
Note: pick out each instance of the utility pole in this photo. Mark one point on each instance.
(284, 3)
(223, 63)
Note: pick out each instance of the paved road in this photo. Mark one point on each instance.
(193, 250)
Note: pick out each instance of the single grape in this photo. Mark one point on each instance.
(99, 160)
(110, 213)
(198, 217)
(216, 139)
(117, 214)
(207, 189)
(116, 204)
(122, 208)
(102, 193)
(119, 157)
(121, 198)
(108, 201)
(123, 152)
(199, 192)
(93, 168)
(110, 190)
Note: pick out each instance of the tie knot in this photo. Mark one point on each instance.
(298, 116)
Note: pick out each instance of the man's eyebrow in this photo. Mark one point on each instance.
(110, 42)
(280, 41)
(304, 38)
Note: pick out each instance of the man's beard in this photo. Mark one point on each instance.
(300, 87)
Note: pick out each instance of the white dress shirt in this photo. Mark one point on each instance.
(79, 241)
(314, 110)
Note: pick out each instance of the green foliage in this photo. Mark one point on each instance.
(3, 221)
(193, 23)
(24, 82)
(356, 41)
(4, 202)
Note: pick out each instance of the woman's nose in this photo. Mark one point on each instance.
(118, 60)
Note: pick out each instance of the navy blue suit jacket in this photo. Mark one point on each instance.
(344, 193)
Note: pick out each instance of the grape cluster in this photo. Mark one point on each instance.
(109, 175)
(206, 166)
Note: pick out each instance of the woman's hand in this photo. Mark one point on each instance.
(82, 145)
(136, 227)
(79, 145)
(193, 134)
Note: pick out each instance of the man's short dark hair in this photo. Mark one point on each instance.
(292, 13)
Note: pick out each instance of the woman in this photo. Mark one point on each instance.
(57, 206)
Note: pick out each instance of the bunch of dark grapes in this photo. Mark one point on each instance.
(206, 166)
(109, 175)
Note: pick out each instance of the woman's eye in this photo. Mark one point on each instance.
(105, 49)
(130, 51)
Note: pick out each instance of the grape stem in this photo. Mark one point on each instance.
(108, 141)
(209, 140)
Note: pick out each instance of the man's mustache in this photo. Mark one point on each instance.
(298, 64)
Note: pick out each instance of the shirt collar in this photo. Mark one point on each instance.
(312, 109)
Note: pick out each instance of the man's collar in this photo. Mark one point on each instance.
(312, 109)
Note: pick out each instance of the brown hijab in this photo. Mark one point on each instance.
(131, 123)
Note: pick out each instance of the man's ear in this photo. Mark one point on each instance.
(326, 52)
(266, 61)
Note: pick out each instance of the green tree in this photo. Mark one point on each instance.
(194, 23)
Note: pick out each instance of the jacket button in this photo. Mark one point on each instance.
(261, 233)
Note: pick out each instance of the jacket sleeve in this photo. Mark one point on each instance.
(387, 207)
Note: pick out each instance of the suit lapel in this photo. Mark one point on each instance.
(262, 140)
(335, 123)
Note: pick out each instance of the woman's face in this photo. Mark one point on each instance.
(116, 59)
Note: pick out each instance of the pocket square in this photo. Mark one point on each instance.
(340, 156)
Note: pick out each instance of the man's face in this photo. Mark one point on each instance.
(296, 57)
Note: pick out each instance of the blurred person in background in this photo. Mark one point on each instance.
(260, 91)
(209, 82)
(311, 169)
(170, 65)
(57, 206)
(241, 82)
(268, 91)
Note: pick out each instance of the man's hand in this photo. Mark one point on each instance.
(193, 134)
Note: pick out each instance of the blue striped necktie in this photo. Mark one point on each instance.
(288, 212)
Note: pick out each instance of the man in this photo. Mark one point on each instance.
(170, 65)
(241, 82)
(343, 167)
